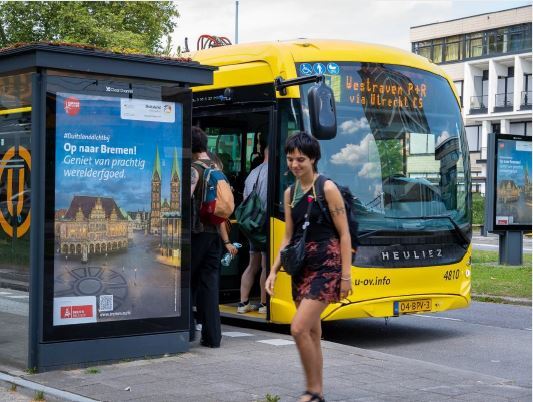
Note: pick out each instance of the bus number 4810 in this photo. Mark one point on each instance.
(451, 274)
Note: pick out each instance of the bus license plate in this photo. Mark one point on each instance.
(412, 306)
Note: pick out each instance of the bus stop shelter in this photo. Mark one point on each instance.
(94, 211)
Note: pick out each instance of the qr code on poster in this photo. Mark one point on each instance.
(106, 303)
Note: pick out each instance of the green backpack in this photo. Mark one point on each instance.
(251, 218)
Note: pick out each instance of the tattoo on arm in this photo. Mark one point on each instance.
(337, 211)
(194, 179)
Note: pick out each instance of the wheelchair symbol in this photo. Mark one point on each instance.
(306, 69)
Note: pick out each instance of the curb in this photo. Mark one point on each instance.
(502, 299)
(47, 391)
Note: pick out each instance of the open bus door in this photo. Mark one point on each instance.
(236, 137)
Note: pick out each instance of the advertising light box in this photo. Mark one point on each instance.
(512, 183)
(117, 209)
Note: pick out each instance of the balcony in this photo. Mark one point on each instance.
(478, 104)
(503, 102)
(525, 100)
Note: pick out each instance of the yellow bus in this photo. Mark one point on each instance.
(399, 146)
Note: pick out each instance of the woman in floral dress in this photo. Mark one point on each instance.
(326, 275)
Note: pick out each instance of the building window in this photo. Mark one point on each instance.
(453, 49)
(519, 128)
(495, 41)
(528, 129)
(513, 39)
(504, 95)
(519, 37)
(479, 102)
(437, 51)
(423, 49)
(485, 87)
(473, 136)
(526, 95)
(474, 44)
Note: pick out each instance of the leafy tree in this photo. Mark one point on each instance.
(118, 25)
(391, 157)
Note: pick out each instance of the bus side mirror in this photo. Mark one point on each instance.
(322, 114)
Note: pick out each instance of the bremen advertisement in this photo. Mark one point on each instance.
(513, 183)
(117, 209)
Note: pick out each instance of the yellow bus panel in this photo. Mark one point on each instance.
(375, 290)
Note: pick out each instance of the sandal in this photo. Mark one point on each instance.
(314, 397)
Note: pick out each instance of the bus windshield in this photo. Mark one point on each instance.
(399, 147)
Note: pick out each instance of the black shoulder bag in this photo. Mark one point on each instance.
(293, 255)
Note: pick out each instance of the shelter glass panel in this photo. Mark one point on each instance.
(15, 196)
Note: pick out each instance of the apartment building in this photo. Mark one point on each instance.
(488, 56)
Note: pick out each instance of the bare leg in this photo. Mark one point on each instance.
(306, 330)
(248, 276)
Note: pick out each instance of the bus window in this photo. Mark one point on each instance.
(249, 150)
(290, 123)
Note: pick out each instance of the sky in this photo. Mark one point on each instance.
(131, 190)
(377, 21)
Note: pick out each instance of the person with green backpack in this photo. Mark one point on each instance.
(252, 220)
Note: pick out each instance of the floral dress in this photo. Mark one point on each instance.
(320, 278)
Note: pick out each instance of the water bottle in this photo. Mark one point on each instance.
(226, 259)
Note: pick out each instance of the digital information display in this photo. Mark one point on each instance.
(117, 212)
(513, 183)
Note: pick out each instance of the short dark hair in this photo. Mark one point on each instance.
(199, 140)
(304, 143)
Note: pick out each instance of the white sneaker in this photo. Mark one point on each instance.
(245, 308)
(262, 308)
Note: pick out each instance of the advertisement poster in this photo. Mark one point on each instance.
(513, 182)
(117, 209)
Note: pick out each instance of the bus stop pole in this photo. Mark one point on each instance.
(510, 247)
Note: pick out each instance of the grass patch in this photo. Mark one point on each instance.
(92, 370)
(13, 388)
(39, 396)
(491, 279)
(15, 252)
(270, 398)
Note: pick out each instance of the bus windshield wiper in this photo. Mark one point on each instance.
(465, 241)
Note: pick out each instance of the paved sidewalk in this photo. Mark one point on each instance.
(251, 364)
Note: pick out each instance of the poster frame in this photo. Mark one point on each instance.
(492, 183)
(120, 328)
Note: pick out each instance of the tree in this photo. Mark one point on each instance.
(391, 157)
(118, 25)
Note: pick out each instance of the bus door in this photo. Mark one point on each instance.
(237, 137)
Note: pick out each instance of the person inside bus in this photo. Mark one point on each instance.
(257, 178)
(257, 155)
(205, 260)
(325, 276)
